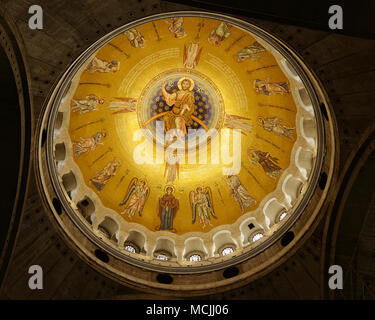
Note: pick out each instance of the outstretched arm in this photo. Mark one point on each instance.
(170, 99)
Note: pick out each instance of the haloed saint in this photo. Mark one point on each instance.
(86, 145)
(167, 209)
(239, 192)
(103, 176)
(182, 103)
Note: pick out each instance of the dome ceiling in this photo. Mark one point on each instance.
(184, 135)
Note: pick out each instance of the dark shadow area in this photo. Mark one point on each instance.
(355, 246)
(10, 141)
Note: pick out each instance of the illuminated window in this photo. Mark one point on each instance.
(282, 216)
(226, 251)
(130, 248)
(195, 257)
(257, 236)
(162, 257)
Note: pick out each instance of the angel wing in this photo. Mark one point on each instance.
(198, 56)
(276, 160)
(131, 189)
(185, 54)
(145, 196)
(193, 206)
(208, 193)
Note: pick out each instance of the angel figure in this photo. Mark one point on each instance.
(239, 192)
(191, 55)
(274, 125)
(103, 176)
(103, 66)
(233, 121)
(219, 34)
(85, 145)
(167, 209)
(90, 103)
(176, 28)
(202, 205)
(124, 105)
(135, 38)
(250, 52)
(268, 163)
(137, 194)
(267, 88)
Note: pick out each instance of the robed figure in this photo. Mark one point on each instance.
(268, 163)
(182, 103)
(104, 175)
(239, 192)
(85, 145)
(167, 209)
(86, 105)
(202, 206)
(274, 125)
(136, 197)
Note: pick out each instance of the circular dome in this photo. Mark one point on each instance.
(179, 136)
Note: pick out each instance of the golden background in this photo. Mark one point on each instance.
(161, 52)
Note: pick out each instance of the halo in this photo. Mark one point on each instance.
(185, 78)
(169, 186)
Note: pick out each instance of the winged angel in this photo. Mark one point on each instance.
(137, 195)
(202, 205)
(191, 55)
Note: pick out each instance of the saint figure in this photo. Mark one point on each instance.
(85, 145)
(268, 163)
(182, 102)
(176, 28)
(167, 209)
(103, 176)
(103, 66)
(250, 52)
(135, 38)
(239, 192)
(219, 34)
(86, 105)
(274, 125)
(267, 88)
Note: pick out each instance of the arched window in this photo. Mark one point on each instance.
(130, 248)
(282, 215)
(226, 251)
(195, 257)
(161, 256)
(256, 236)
